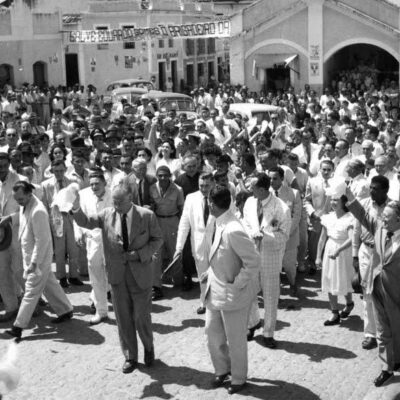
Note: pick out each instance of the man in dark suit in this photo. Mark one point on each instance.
(131, 236)
(386, 281)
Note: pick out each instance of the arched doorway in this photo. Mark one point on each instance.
(364, 59)
(6, 75)
(40, 73)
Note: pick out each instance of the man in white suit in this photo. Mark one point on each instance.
(231, 287)
(317, 204)
(37, 254)
(267, 220)
(197, 220)
(10, 258)
(291, 197)
(92, 200)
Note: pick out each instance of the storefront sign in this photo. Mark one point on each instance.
(214, 29)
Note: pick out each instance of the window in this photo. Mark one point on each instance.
(102, 46)
(128, 45)
(201, 46)
(161, 43)
(189, 47)
(211, 45)
(170, 42)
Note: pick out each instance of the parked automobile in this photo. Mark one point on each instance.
(261, 112)
(128, 83)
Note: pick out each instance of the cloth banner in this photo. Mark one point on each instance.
(216, 29)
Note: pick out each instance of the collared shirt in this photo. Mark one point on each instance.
(128, 222)
(169, 203)
(360, 187)
(113, 177)
(189, 184)
(82, 181)
(361, 234)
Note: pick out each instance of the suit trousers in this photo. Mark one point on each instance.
(83, 259)
(365, 256)
(387, 318)
(270, 269)
(302, 249)
(97, 275)
(201, 267)
(11, 271)
(289, 264)
(313, 237)
(169, 228)
(227, 342)
(63, 245)
(132, 306)
(35, 285)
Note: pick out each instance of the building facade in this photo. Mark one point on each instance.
(277, 43)
(35, 46)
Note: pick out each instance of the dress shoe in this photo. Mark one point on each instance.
(201, 310)
(148, 357)
(64, 283)
(269, 342)
(334, 320)
(220, 379)
(250, 333)
(15, 331)
(383, 377)
(8, 316)
(347, 310)
(235, 388)
(157, 293)
(129, 366)
(62, 318)
(97, 319)
(369, 343)
(75, 282)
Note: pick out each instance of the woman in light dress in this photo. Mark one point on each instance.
(335, 255)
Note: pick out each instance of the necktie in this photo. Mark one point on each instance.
(206, 211)
(60, 184)
(388, 246)
(259, 211)
(125, 237)
(308, 153)
(141, 192)
(276, 193)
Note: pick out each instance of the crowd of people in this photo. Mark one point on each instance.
(229, 199)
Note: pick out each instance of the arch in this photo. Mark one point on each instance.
(361, 40)
(6, 74)
(40, 73)
(268, 42)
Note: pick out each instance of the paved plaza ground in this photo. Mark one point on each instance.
(77, 361)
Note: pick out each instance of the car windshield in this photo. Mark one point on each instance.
(178, 104)
(260, 116)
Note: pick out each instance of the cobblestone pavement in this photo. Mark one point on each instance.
(77, 361)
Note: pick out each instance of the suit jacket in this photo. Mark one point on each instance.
(192, 221)
(34, 234)
(291, 197)
(316, 201)
(275, 237)
(145, 240)
(388, 268)
(234, 262)
(130, 179)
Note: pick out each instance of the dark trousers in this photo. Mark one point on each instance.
(189, 265)
(132, 306)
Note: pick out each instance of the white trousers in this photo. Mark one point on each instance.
(365, 256)
(97, 275)
(271, 266)
(227, 342)
(35, 285)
